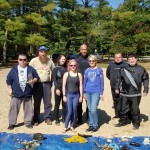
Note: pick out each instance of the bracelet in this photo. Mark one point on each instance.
(64, 95)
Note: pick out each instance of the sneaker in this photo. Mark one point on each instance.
(57, 123)
(135, 127)
(89, 129)
(94, 129)
(36, 124)
(11, 127)
(48, 121)
(29, 126)
(120, 124)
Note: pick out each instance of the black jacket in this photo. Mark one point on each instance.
(57, 75)
(139, 75)
(82, 63)
(112, 72)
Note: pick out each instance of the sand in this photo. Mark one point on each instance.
(105, 113)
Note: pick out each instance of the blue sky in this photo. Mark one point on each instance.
(115, 3)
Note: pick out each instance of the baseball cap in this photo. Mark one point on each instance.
(44, 48)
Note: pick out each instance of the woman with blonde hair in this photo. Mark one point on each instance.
(72, 94)
(93, 91)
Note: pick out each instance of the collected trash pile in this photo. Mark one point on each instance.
(38, 141)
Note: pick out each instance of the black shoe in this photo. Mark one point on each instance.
(29, 126)
(89, 129)
(57, 123)
(120, 124)
(116, 117)
(94, 129)
(63, 120)
(79, 122)
(11, 127)
(135, 127)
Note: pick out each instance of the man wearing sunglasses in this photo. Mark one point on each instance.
(20, 81)
(42, 89)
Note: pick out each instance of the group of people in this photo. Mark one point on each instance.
(74, 81)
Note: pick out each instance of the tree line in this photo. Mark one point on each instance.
(64, 25)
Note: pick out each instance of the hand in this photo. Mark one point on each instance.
(58, 92)
(84, 96)
(80, 99)
(31, 82)
(102, 97)
(117, 91)
(10, 93)
(64, 98)
(144, 94)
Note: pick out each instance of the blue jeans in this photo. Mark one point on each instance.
(71, 109)
(92, 102)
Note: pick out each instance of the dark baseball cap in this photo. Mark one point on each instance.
(44, 48)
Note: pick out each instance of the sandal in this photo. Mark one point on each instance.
(64, 130)
(73, 130)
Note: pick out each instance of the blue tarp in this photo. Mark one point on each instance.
(9, 141)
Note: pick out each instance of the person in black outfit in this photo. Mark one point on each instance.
(131, 78)
(57, 75)
(111, 73)
(83, 64)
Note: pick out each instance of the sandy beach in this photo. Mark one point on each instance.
(105, 112)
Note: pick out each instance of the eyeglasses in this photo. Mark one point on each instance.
(22, 59)
(72, 65)
(91, 60)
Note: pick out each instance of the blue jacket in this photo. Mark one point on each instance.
(13, 80)
(99, 81)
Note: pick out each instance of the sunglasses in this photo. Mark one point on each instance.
(22, 59)
(91, 60)
(72, 65)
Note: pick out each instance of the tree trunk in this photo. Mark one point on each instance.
(5, 49)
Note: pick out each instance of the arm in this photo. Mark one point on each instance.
(80, 87)
(118, 82)
(108, 72)
(54, 75)
(9, 81)
(145, 79)
(64, 86)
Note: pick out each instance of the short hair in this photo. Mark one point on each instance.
(22, 55)
(118, 53)
(93, 56)
(131, 55)
(83, 45)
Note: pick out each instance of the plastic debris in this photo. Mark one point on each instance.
(31, 145)
(146, 141)
(76, 138)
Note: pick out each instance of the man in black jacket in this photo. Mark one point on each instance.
(131, 78)
(111, 74)
(83, 64)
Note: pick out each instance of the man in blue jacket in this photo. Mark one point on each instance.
(20, 82)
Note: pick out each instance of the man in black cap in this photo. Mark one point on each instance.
(42, 89)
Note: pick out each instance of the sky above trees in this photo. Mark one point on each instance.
(115, 3)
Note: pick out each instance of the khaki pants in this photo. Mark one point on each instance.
(15, 105)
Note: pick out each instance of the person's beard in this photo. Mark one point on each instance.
(43, 59)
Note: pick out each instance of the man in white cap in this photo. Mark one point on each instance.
(42, 89)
